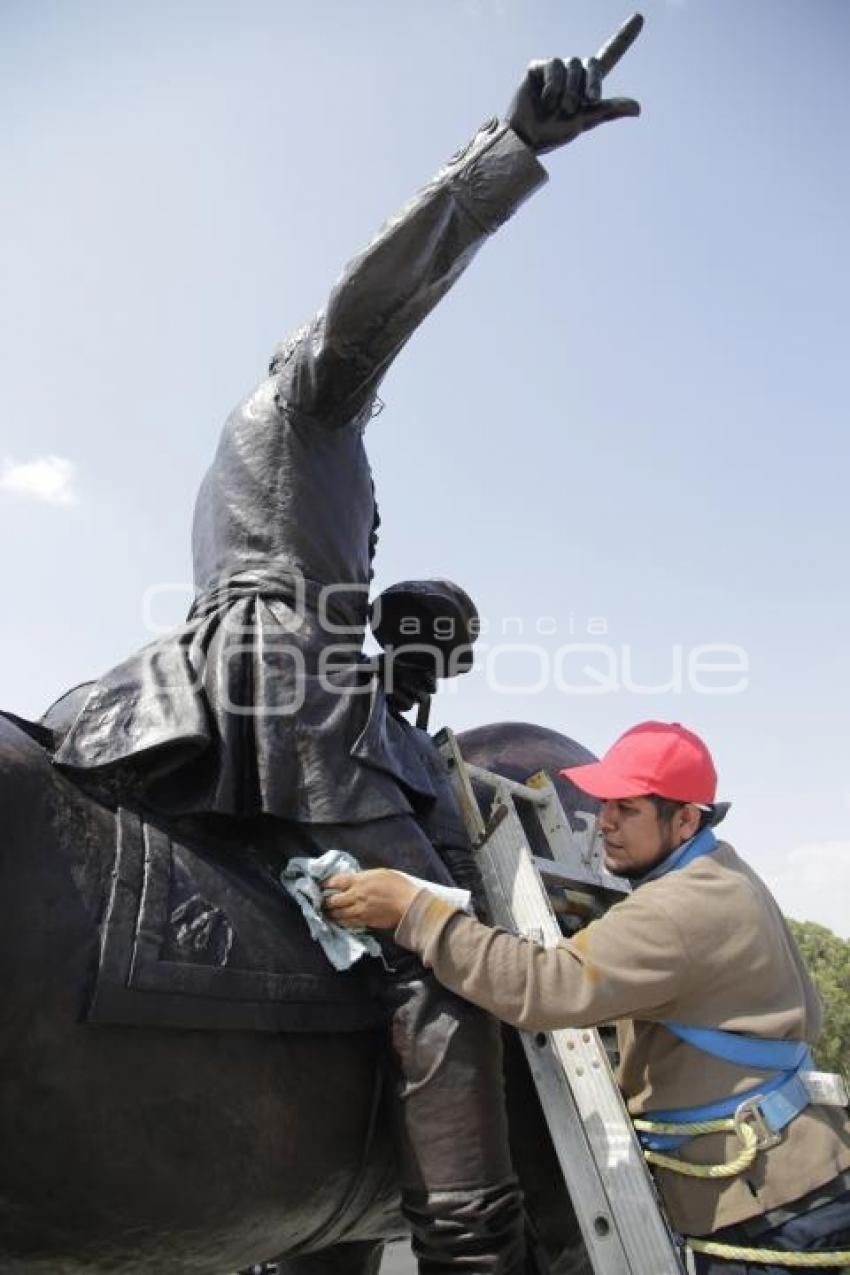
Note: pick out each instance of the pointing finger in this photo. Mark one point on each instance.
(609, 55)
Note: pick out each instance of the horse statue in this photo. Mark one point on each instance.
(187, 1086)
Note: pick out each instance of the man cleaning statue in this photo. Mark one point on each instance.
(714, 1007)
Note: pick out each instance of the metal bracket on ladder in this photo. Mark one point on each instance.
(607, 1178)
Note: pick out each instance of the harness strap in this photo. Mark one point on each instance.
(746, 1051)
(775, 1101)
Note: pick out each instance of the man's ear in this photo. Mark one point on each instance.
(686, 823)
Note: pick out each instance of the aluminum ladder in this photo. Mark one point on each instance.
(615, 1200)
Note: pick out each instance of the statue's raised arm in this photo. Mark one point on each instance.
(331, 369)
(275, 493)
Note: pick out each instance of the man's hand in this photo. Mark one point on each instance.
(557, 101)
(373, 900)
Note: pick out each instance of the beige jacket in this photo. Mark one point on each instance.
(705, 945)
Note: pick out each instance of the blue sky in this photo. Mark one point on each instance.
(632, 409)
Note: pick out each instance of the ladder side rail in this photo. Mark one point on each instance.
(462, 786)
(584, 1183)
(563, 876)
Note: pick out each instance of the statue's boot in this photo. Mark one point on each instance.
(459, 1193)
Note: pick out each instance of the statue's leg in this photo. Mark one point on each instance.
(459, 1193)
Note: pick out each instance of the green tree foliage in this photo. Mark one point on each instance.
(828, 959)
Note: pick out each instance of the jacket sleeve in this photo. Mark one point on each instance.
(631, 963)
(331, 368)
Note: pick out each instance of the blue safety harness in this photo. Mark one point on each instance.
(775, 1102)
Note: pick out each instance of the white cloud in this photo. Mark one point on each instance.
(47, 478)
(811, 882)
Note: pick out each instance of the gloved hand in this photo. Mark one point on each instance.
(558, 101)
(407, 682)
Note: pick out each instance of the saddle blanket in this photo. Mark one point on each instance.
(197, 939)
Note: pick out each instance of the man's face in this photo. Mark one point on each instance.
(635, 838)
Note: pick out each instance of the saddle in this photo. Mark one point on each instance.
(196, 931)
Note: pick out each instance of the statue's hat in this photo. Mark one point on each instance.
(422, 618)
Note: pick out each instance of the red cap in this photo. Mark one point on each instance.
(653, 757)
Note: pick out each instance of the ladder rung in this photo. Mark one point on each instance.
(498, 782)
(557, 874)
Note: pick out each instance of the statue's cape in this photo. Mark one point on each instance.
(246, 709)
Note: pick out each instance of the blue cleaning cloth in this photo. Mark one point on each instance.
(302, 879)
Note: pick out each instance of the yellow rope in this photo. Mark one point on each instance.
(770, 1256)
(749, 1138)
(742, 1161)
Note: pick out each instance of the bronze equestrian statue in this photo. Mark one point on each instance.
(149, 813)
